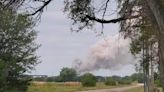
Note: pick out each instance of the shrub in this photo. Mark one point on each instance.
(110, 81)
(88, 80)
(125, 82)
(158, 83)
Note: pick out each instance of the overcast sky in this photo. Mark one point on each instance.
(60, 47)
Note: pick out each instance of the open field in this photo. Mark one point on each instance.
(61, 87)
(139, 89)
(117, 89)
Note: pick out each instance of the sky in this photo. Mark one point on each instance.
(60, 47)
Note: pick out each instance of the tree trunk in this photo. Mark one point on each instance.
(152, 87)
(144, 70)
(157, 8)
(161, 61)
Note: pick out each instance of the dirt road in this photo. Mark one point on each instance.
(121, 89)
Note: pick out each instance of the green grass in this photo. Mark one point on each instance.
(138, 89)
(51, 87)
(60, 87)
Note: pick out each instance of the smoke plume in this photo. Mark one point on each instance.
(112, 53)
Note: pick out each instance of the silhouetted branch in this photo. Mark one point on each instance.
(112, 20)
(41, 8)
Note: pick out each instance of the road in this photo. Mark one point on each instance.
(121, 89)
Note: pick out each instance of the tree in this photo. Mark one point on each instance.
(139, 77)
(17, 50)
(68, 74)
(88, 80)
(126, 80)
(110, 81)
(157, 8)
(145, 46)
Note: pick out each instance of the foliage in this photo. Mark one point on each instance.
(158, 83)
(39, 79)
(61, 87)
(26, 6)
(157, 80)
(78, 9)
(110, 81)
(119, 80)
(125, 81)
(17, 50)
(88, 80)
(67, 74)
(100, 79)
(138, 77)
(50, 79)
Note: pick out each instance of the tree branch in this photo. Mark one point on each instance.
(112, 20)
(41, 8)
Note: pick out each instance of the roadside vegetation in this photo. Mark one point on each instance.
(70, 81)
(139, 89)
(64, 87)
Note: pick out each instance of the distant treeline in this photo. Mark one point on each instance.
(138, 77)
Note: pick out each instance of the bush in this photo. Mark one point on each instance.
(110, 81)
(138, 77)
(158, 83)
(88, 80)
(127, 82)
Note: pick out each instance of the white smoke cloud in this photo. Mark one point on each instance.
(112, 53)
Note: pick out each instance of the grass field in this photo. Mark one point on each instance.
(139, 89)
(60, 87)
